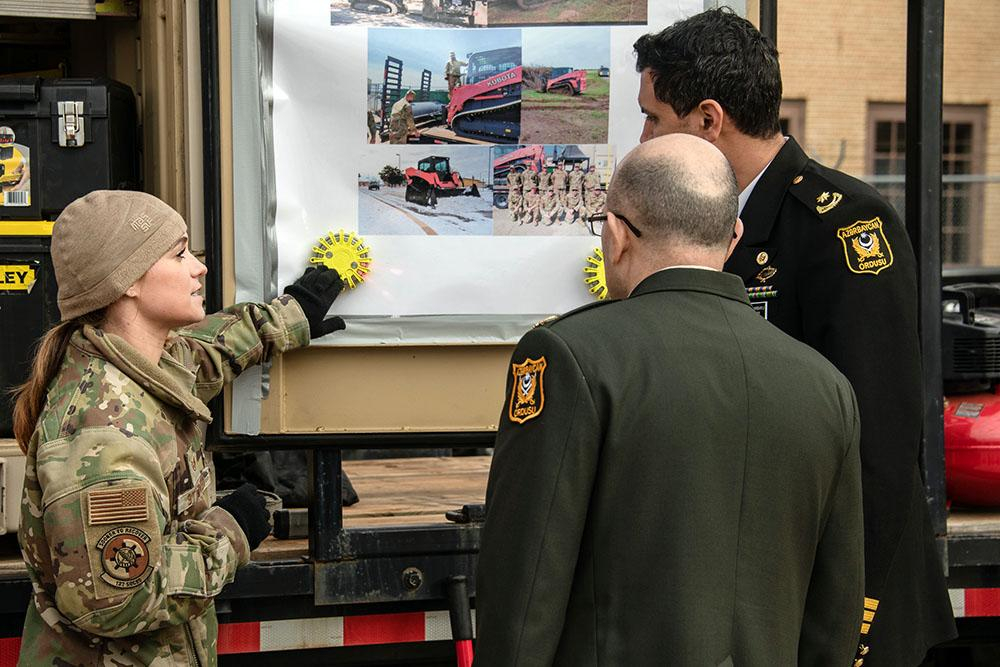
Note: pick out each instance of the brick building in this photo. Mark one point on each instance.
(844, 72)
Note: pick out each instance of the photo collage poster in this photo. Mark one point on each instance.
(467, 144)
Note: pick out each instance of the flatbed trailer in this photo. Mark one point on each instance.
(444, 134)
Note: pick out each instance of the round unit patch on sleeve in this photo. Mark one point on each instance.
(124, 556)
(866, 247)
(527, 394)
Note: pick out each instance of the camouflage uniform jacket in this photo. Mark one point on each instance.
(529, 179)
(401, 123)
(124, 547)
(559, 178)
(596, 199)
(550, 201)
(514, 181)
(575, 179)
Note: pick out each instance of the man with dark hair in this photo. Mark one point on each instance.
(826, 259)
(648, 504)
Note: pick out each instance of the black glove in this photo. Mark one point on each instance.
(248, 508)
(316, 291)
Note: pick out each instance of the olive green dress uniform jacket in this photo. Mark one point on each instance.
(675, 482)
(827, 260)
(124, 547)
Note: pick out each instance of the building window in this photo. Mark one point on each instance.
(963, 135)
(792, 117)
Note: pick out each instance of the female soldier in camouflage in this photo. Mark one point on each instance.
(125, 545)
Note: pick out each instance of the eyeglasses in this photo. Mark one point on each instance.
(596, 223)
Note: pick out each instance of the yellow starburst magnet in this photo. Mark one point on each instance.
(347, 253)
(596, 281)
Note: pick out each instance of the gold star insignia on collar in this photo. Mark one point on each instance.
(832, 199)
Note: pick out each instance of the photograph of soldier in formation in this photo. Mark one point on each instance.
(549, 190)
(566, 85)
(566, 12)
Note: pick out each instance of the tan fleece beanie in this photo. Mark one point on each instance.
(105, 241)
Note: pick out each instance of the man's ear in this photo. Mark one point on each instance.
(618, 240)
(737, 235)
(710, 116)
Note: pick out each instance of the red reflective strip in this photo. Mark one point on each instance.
(239, 638)
(982, 601)
(463, 651)
(10, 649)
(383, 629)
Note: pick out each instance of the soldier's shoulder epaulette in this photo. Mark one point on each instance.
(549, 321)
(835, 197)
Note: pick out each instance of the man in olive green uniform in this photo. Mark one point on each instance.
(453, 72)
(575, 179)
(549, 208)
(595, 199)
(515, 200)
(559, 177)
(662, 491)
(401, 123)
(532, 207)
(827, 260)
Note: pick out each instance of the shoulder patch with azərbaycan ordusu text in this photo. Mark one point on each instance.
(866, 248)
(527, 394)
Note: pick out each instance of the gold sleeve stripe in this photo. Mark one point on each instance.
(865, 627)
(871, 603)
(869, 616)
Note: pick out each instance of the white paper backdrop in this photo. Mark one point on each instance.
(422, 289)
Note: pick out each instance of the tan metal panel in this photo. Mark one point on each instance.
(388, 389)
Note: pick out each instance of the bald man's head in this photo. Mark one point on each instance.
(677, 188)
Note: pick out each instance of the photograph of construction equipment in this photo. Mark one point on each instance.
(566, 12)
(425, 190)
(549, 190)
(564, 97)
(461, 86)
(409, 13)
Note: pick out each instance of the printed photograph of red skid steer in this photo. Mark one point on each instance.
(428, 94)
(433, 178)
(566, 91)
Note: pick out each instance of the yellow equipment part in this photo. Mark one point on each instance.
(13, 167)
(596, 280)
(347, 253)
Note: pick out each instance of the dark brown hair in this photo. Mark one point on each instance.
(49, 352)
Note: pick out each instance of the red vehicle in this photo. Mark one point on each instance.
(433, 178)
(566, 80)
(488, 105)
(971, 374)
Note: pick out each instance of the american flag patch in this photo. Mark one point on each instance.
(117, 505)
